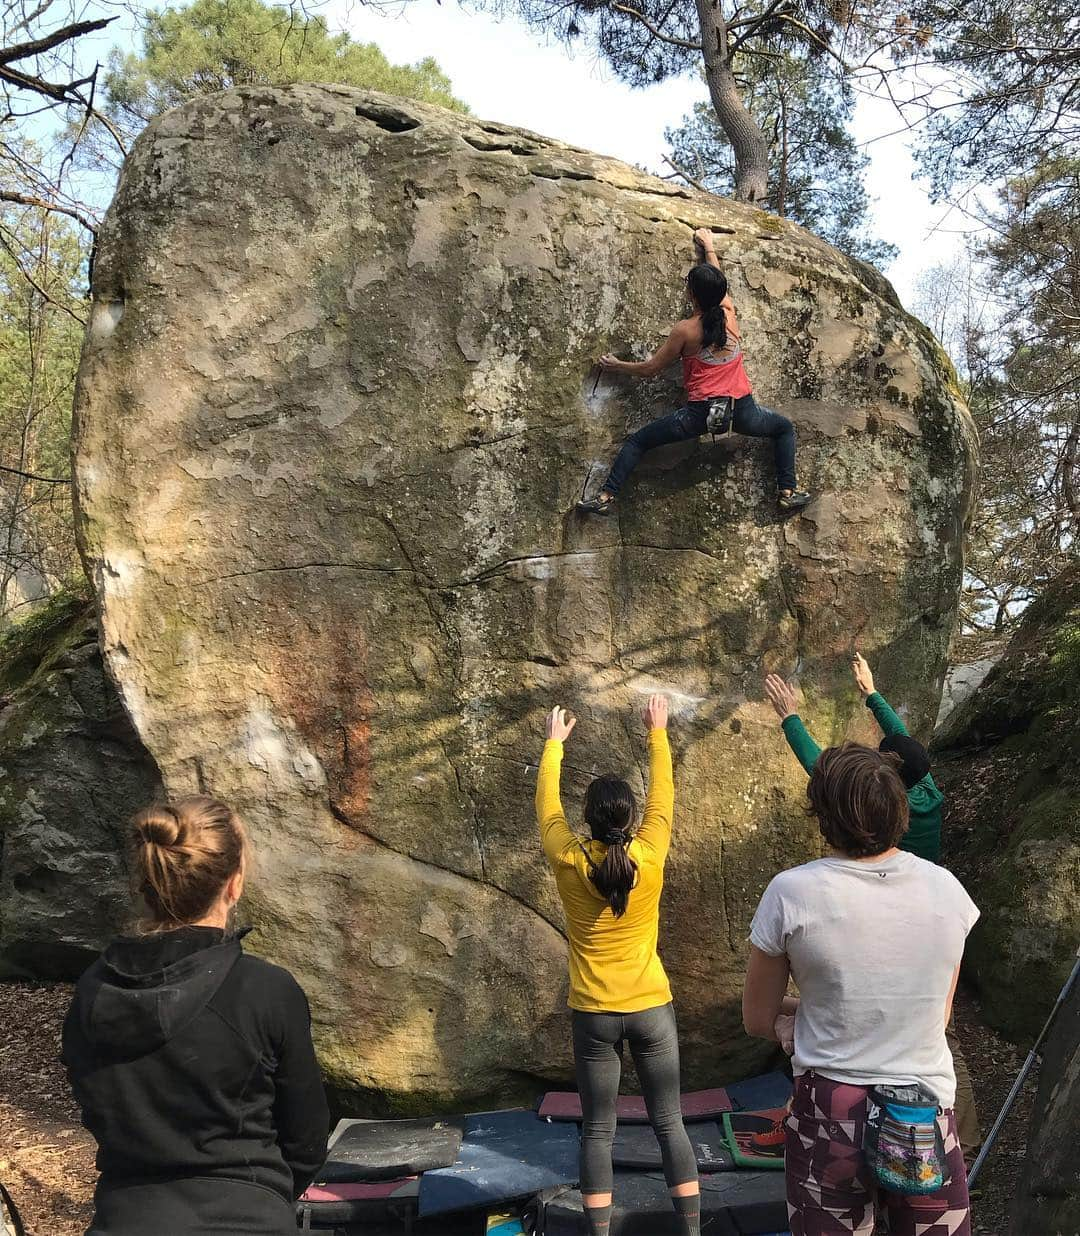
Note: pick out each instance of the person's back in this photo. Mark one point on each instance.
(873, 938)
(192, 1062)
(873, 949)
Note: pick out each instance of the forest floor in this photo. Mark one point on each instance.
(47, 1158)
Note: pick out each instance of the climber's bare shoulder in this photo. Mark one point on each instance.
(687, 332)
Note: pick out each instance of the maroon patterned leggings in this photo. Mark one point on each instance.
(831, 1191)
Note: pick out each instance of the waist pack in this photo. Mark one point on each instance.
(903, 1143)
(720, 414)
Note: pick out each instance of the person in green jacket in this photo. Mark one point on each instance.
(923, 837)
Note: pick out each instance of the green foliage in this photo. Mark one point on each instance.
(42, 272)
(27, 644)
(816, 168)
(213, 45)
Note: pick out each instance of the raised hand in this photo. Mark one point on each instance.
(656, 712)
(703, 240)
(781, 696)
(864, 679)
(559, 724)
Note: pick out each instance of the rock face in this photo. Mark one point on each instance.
(1011, 773)
(72, 773)
(335, 408)
(1048, 1197)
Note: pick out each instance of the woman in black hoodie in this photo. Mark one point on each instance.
(192, 1062)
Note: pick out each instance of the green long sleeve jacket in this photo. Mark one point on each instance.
(925, 800)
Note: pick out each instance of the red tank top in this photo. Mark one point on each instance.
(705, 377)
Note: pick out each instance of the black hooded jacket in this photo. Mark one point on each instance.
(194, 1068)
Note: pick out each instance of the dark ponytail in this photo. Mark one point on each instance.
(609, 813)
(709, 286)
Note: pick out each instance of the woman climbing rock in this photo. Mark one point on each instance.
(610, 889)
(719, 394)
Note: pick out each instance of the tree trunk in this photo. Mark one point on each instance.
(782, 179)
(742, 130)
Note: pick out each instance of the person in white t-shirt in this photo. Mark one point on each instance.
(873, 938)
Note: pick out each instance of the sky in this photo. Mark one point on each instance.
(506, 72)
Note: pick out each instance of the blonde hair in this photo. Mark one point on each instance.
(184, 853)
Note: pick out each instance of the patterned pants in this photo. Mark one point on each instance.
(831, 1191)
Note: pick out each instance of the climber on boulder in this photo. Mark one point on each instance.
(719, 394)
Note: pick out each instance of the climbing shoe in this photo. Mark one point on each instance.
(596, 506)
(793, 501)
(771, 1140)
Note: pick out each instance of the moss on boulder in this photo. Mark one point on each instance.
(1011, 769)
(72, 771)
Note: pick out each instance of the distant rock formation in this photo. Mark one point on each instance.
(335, 408)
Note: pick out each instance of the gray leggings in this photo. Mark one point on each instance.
(654, 1046)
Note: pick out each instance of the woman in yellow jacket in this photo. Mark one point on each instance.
(610, 889)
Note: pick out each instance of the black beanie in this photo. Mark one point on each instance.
(916, 763)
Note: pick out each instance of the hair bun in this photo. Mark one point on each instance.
(158, 826)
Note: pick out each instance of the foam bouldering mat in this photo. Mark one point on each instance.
(636, 1147)
(392, 1202)
(389, 1149)
(503, 1155)
(757, 1093)
(740, 1127)
(565, 1105)
(732, 1204)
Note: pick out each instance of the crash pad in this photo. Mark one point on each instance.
(636, 1147)
(732, 1204)
(330, 1206)
(389, 1149)
(740, 1127)
(563, 1105)
(757, 1093)
(503, 1155)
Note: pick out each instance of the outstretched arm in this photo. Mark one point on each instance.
(782, 698)
(889, 721)
(668, 352)
(703, 243)
(555, 834)
(655, 830)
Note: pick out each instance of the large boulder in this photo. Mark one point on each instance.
(1010, 765)
(335, 408)
(72, 773)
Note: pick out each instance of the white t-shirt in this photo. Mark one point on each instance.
(873, 947)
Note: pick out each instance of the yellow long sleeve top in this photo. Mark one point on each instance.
(614, 965)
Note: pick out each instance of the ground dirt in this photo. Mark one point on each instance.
(47, 1158)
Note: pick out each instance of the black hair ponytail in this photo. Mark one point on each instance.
(709, 286)
(609, 812)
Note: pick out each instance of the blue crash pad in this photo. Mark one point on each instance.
(503, 1155)
(758, 1093)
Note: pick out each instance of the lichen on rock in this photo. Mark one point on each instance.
(332, 422)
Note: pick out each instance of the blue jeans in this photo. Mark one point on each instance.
(689, 422)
